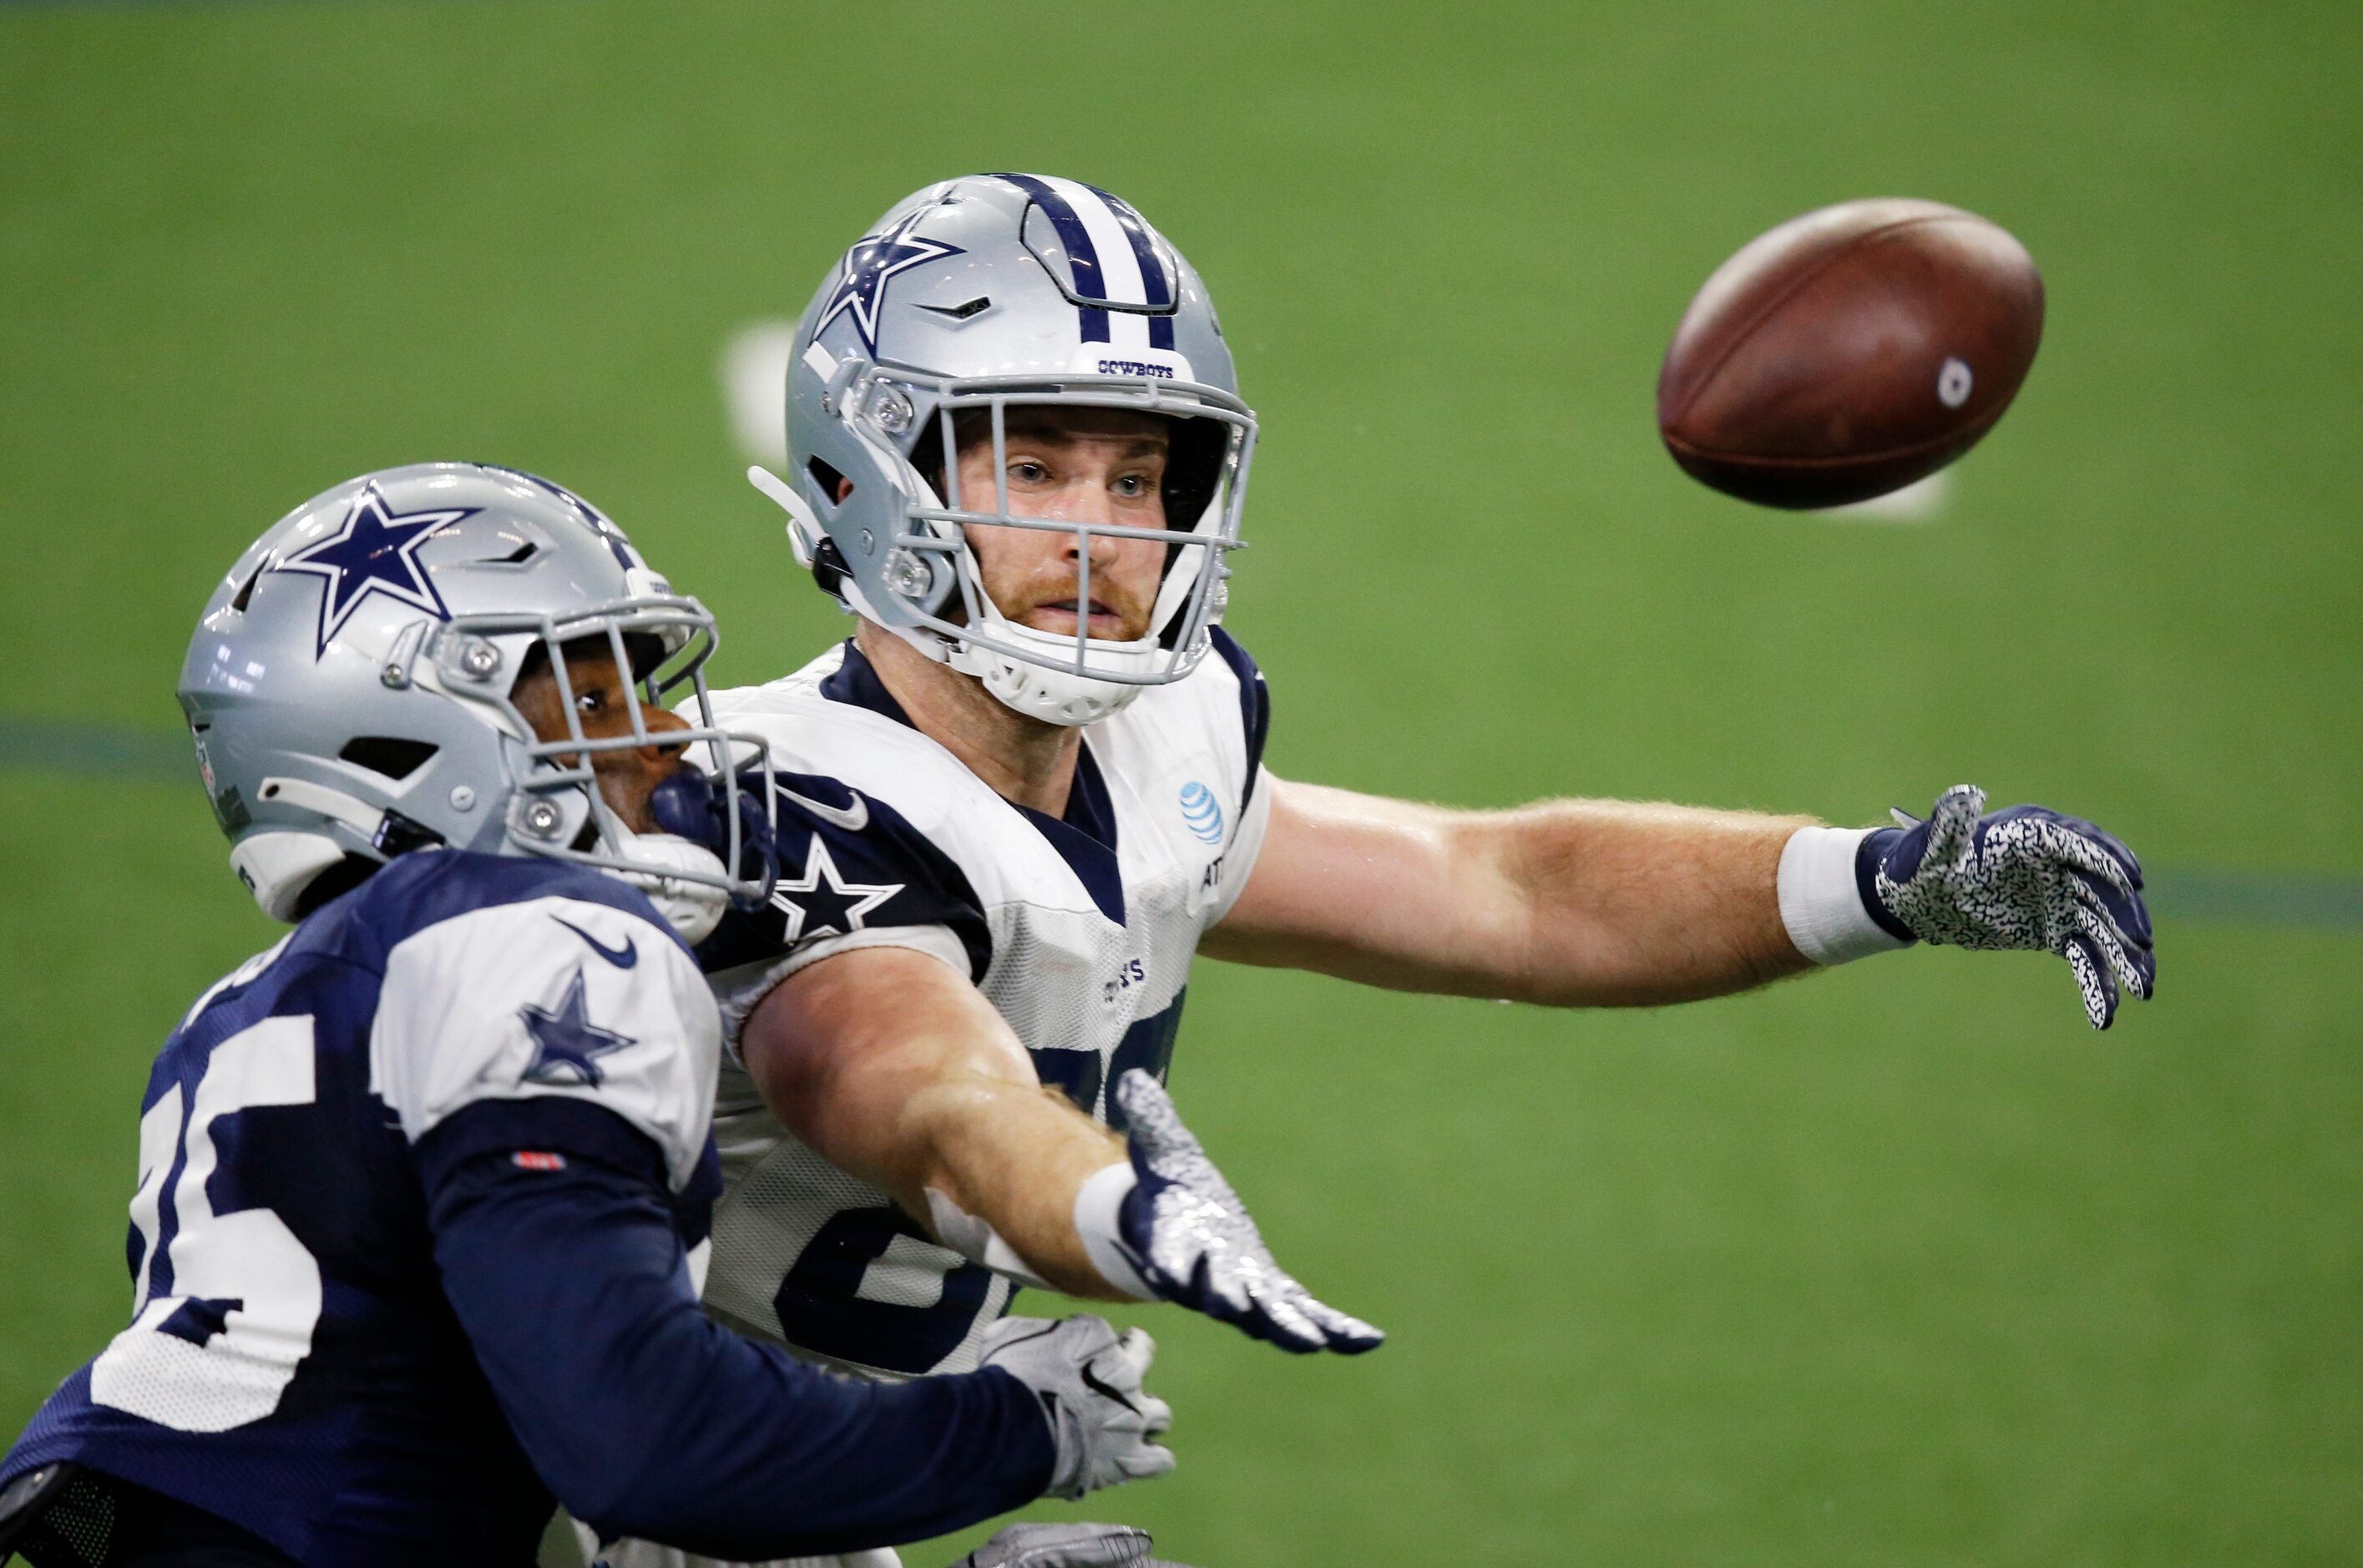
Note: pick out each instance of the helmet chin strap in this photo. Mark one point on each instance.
(691, 908)
(1037, 687)
(1054, 696)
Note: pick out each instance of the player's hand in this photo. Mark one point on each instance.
(2027, 877)
(1066, 1546)
(688, 805)
(1196, 1245)
(1088, 1379)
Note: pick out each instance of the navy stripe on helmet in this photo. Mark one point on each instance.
(1082, 257)
(1159, 290)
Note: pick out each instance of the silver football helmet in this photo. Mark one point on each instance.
(349, 692)
(979, 293)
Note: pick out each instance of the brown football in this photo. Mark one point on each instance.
(1848, 352)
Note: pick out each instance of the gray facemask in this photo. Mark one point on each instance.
(351, 689)
(980, 295)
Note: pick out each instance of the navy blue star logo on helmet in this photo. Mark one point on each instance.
(373, 551)
(566, 1043)
(861, 278)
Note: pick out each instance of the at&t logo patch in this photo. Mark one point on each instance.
(1201, 812)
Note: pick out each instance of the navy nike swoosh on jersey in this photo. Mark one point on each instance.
(622, 958)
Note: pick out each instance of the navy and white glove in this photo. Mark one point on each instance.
(1194, 1243)
(688, 805)
(1088, 1378)
(2028, 877)
(1066, 1546)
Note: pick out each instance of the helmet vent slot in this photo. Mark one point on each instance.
(244, 594)
(525, 552)
(383, 754)
(976, 306)
(832, 483)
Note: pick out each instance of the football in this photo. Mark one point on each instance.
(1848, 352)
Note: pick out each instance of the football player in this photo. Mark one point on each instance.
(1016, 802)
(424, 1189)
(1030, 787)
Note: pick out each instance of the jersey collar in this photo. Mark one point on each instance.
(1085, 837)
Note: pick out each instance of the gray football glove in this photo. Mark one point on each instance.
(1088, 1379)
(2027, 877)
(1197, 1246)
(1066, 1546)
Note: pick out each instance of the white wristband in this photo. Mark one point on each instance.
(1821, 904)
(1097, 1205)
(977, 1241)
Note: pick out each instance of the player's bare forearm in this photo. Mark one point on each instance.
(1568, 903)
(896, 1069)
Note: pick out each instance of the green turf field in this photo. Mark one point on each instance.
(1900, 1265)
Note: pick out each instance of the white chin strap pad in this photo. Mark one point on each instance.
(691, 908)
(1055, 695)
(278, 867)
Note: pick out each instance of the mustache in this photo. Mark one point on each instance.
(1059, 590)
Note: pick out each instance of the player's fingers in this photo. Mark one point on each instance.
(2117, 848)
(1151, 1415)
(2121, 959)
(1346, 1334)
(1291, 1329)
(1221, 1294)
(2092, 982)
(1152, 1124)
(1138, 1353)
(1953, 825)
(1117, 1373)
(2083, 854)
(1144, 1461)
(2116, 916)
(2125, 910)
(2116, 910)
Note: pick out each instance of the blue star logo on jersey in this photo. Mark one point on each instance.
(373, 551)
(861, 280)
(566, 1043)
(826, 904)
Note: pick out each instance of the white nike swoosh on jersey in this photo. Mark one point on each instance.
(852, 818)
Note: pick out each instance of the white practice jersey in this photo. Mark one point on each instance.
(1078, 930)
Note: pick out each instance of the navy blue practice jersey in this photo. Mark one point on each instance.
(291, 1362)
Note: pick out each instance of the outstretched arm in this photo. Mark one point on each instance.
(1567, 902)
(889, 1064)
(1602, 903)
